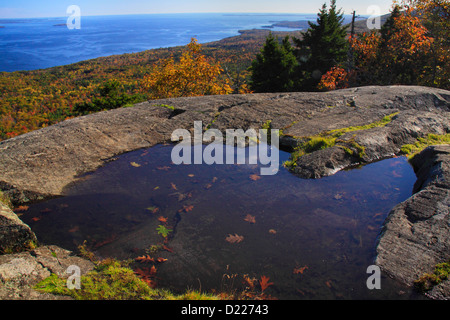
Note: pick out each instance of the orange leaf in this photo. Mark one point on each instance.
(264, 283)
(250, 218)
(234, 238)
(162, 219)
(146, 258)
(255, 177)
(21, 208)
(35, 219)
(186, 208)
(161, 260)
(300, 270)
(174, 187)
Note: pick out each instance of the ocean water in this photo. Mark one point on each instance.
(28, 44)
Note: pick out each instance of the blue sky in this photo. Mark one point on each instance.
(57, 8)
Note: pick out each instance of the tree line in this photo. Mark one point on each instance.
(411, 48)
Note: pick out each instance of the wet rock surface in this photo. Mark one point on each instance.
(416, 234)
(41, 164)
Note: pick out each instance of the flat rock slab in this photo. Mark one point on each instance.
(21, 271)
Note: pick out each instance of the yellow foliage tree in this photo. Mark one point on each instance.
(193, 75)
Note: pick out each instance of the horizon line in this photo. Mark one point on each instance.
(175, 13)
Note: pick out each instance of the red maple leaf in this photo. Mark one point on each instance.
(264, 283)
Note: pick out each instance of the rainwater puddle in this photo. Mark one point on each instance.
(314, 239)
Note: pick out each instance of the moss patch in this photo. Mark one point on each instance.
(410, 150)
(429, 280)
(5, 200)
(113, 280)
(330, 138)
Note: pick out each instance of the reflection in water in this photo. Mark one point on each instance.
(313, 238)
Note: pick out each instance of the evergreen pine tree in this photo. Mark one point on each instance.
(323, 46)
(274, 68)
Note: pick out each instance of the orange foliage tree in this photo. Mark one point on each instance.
(411, 48)
(193, 75)
(335, 78)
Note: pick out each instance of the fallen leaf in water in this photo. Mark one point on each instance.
(182, 196)
(250, 218)
(74, 229)
(190, 175)
(395, 174)
(186, 208)
(338, 196)
(167, 248)
(173, 185)
(209, 185)
(156, 188)
(143, 259)
(152, 209)
(214, 179)
(134, 164)
(255, 177)
(160, 260)
(272, 231)
(328, 283)
(300, 270)
(264, 283)
(21, 208)
(145, 273)
(371, 228)
(379, 214)
(250, 282)
(234, 238)
(35, 219)
(165, 168)
(152, 271)
(106, 241)
(162, 219)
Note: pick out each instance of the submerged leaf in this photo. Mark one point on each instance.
(162, 230)
(250, 218)
(134, 164)
(300, 270)
(162, 219)
(21, 208)
(264, 283)
(153, 209)
(234, 238)
(146, 258)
